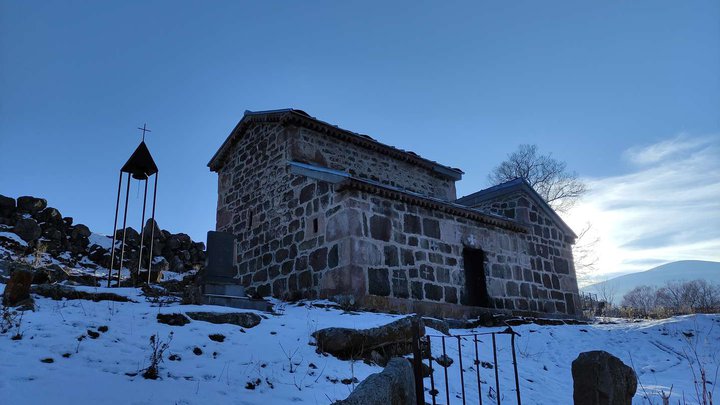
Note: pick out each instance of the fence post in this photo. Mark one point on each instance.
(417, 361)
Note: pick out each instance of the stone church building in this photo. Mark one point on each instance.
(320, 211)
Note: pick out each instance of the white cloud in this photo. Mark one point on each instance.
(667, 209)
(663, 150)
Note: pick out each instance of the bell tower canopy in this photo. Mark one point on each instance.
(141, 164)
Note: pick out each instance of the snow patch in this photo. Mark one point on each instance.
(103, 241)
(13, 237)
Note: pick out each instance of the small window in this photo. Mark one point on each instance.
(315, 225)
(250, 219)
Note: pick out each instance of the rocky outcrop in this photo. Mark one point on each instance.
(44, 227)
(395, 385)
(243, 319)
(599, 378)
(388, 340)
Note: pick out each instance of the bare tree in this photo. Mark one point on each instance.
(560, 188)
(547, 175)
(606, 292)
(641, 299)
(584, 253)
(689, 296)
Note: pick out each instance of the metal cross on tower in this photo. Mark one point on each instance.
(144, 129)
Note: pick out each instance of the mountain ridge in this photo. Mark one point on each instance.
(657, 276)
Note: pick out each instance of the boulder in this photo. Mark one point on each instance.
(177, 265)
(97, 254)
(31, 204)
(132, 237)
(243, 319)
(394, 338)
(437, 324)
(17, 290)
(395, 385)
(8, 220)
(172, 243)
(185, 240)
(7, 206)
(50, 215)
(53, 234)
(81, 231)
(173, 319)
(27, 229)
(49, 274)
(160, 264)
(599, 378)
(148, 231)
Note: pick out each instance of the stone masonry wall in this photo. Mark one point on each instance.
(298, 237)
(312, 147)
(415, 253)
(550, 247)
(278, 218)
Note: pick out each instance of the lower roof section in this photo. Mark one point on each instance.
(345, 181)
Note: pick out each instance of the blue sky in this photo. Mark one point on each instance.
(463, 83)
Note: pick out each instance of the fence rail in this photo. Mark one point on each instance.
(423, 350)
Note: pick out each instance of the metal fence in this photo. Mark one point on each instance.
(423, 351)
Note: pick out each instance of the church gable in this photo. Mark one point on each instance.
(517, 200)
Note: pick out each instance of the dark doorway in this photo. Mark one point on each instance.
(475, 284)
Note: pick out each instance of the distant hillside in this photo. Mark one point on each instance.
(658, 276)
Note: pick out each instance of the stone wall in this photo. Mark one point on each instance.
(278, 218)
(549, 246)
(44, 229)
(309, 146)
(415, 253)
(298, 237)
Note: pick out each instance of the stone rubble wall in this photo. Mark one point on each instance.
(44, 228)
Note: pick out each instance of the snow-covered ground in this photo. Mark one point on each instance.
(277, 352)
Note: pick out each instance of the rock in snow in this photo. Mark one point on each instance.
(395, 385)
(599, 378)
(18, 288)
(391, 339)
(243, 319)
